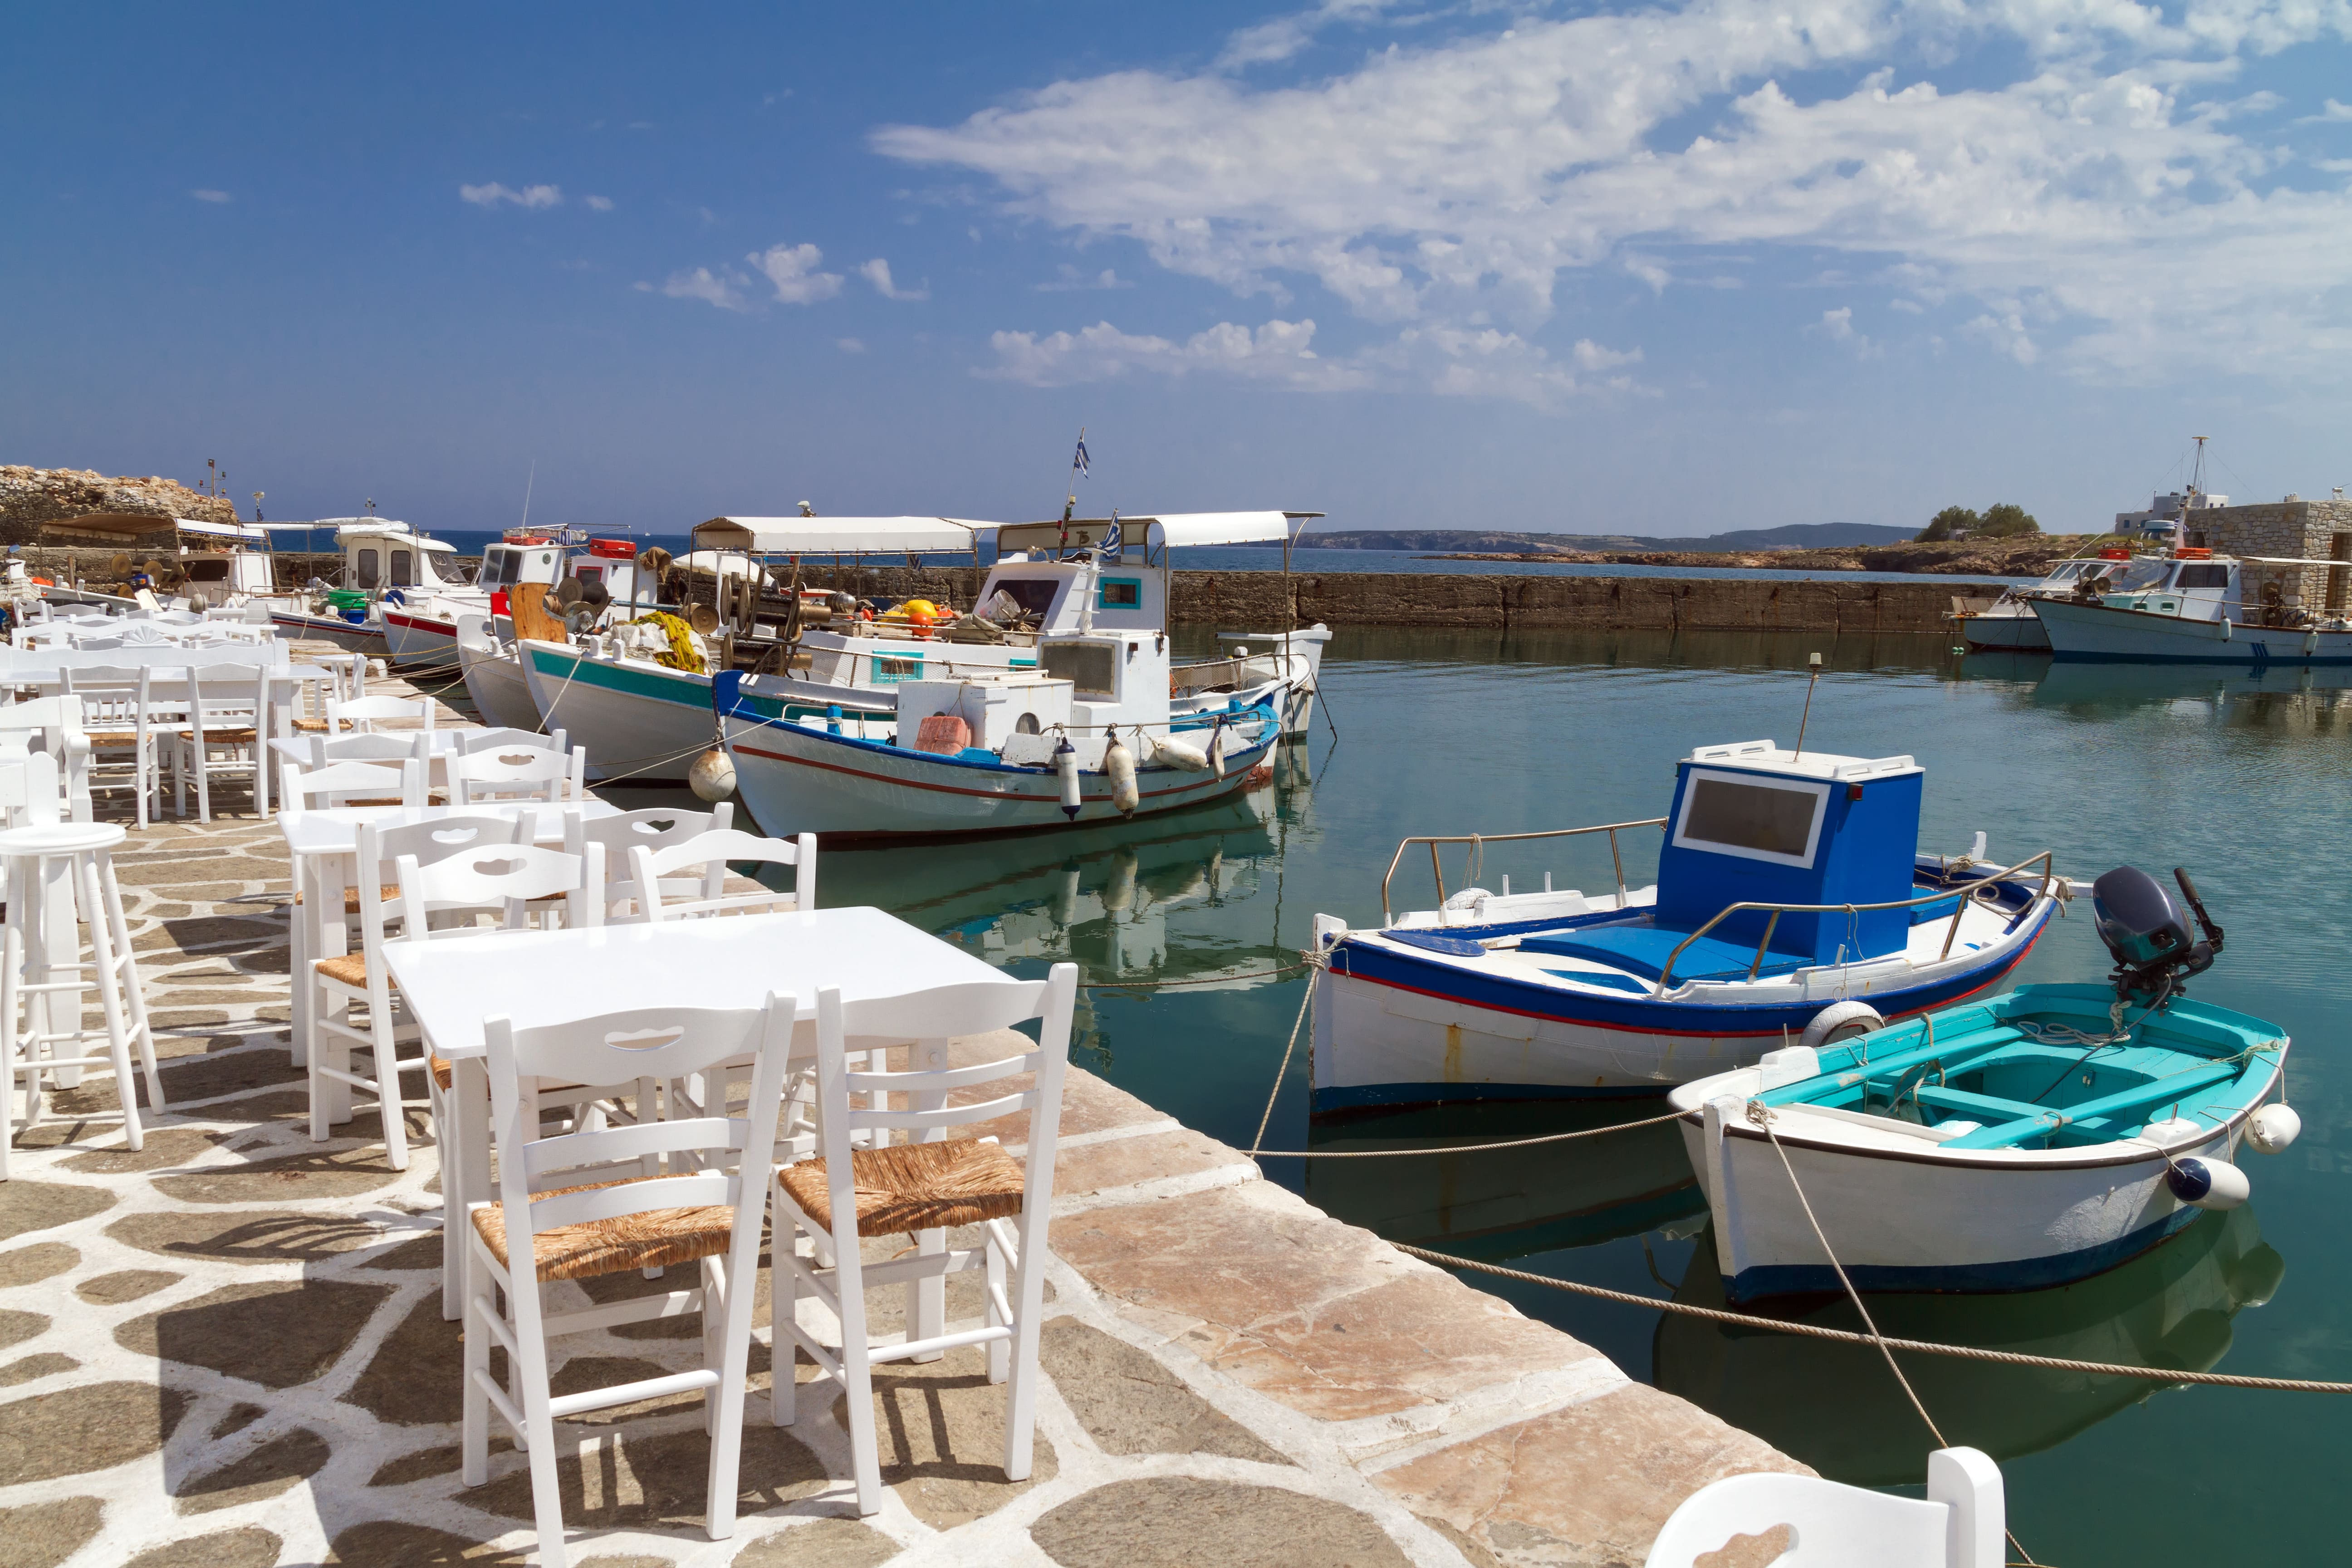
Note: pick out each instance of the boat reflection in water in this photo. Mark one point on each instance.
(1188, 897)
(1512, 1202)
(1836, 1407)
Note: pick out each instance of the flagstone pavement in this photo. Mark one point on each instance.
(228, 1349)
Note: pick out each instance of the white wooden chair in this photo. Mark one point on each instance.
(350, 783)
(364, 713)
(363, 979)
(371, 748)
(226, 733)
(919, 1188)
(510, 739)
(712, 851)
(528, 774)
(1962, 1523)
(653, 829)
(710, 1213)
(53, 725)
(125, 717)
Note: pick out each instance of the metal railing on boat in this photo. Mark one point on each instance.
(1611, 828)
(1960, 896)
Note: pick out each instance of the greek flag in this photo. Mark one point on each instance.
(1111, 542)
(1080, 462)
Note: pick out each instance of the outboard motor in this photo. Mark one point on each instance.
(2154, 949)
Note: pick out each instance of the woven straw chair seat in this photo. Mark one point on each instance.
(220, 737)
(390, 892)
(655, 1239)
(908, 1187)
(443, 1073)
(314, 726)
(349, 969)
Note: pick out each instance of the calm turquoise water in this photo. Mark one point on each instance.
(2241, 781)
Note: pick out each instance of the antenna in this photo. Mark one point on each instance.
(527, 485)
(1815, 661)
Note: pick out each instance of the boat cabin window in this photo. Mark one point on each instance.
(403, 569)
(2067, 572)
(2202, 574)
(1091, 667)
(1034, 595)
(497, 567)
(213, 569)
(1751, 818)
(589, 571)
(369, 568)
(1119, 594)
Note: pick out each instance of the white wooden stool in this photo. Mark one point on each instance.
(48, 871)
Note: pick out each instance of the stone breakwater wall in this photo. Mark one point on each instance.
(30, 496)
(2290, 530)
(1267, 601)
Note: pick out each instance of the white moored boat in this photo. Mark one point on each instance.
(1086, 737)
(1790, 903)
(2188, 607)
(2042, 1136)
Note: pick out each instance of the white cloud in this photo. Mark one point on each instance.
(792, 269)
(600, 203)
(210, 195)
(724, 290)
(1270, 42)
(529, 196)
(1838, 327)
(1453, 362)
(850, 345)
(1072, 279)
(877, 272)
(1449, 186)
(2330, 113)
(1278, 350)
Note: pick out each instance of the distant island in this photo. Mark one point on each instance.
(1795, 536)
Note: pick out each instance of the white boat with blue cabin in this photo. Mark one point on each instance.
(2034, 1138)
(1791, 904)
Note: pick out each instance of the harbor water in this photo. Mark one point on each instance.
(1177, 923)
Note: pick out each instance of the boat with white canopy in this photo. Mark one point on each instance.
(641, 701)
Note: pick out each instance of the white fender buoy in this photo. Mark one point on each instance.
(2273, 1128)
(2202, 1182)
(1841, 1021)
(1065, 763)
(1179, 754)
(1119, 763)
(1217, 751)
(712, 777)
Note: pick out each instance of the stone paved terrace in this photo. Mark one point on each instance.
(228, 1349)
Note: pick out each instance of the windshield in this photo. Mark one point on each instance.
(2128, 576)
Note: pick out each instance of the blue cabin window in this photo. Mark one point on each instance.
(1731, 813)
(1119, 594)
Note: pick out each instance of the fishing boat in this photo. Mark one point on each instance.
(650, 715)
(2009, 622)
(2190, 607)
(1071, 575)
(2042, 1136)
(1791, 902)
(1084, 738)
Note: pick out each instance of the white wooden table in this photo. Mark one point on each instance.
(323, 843)
(735, 961)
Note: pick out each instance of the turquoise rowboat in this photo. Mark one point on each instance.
(2006, 1146)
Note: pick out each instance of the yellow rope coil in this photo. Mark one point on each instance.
(681, 654)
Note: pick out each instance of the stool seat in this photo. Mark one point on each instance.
(61, 838)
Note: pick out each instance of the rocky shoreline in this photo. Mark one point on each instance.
(30, 496)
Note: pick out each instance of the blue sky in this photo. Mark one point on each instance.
(1663, 270)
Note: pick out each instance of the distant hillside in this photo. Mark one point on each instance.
(1795, 536)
